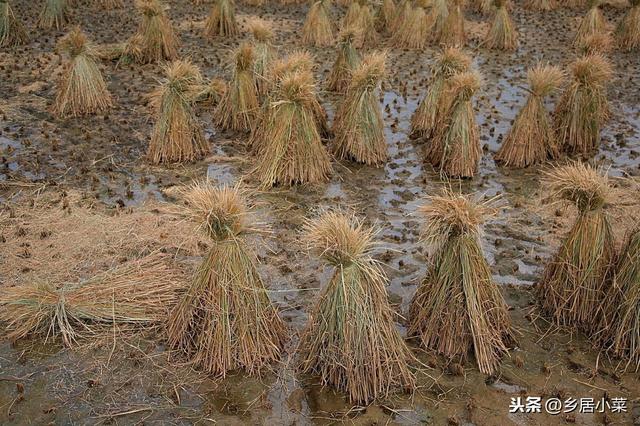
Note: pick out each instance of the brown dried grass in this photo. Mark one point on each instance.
(576, 280)
(155, 40)
(226, 321)
(351, 340)
(532, 139)
(358, 125)
(81, 88)
(458, 307)
(55, 14)
(177, 135)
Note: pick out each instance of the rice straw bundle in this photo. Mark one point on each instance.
(12, 32)
(358, 126)
(352, 17)
(455, 148)
(620, 325)
(264, 50)
(593, 22)
(54, 15)
(452, 33)
(583, 107)
(81, 88)
(541, 5)
(483, 7)
(575, 281)
(177, 135)
(628, 30)
(291, 149)
(597, 43)
(438, 18)
(351, 341)
(384, 17)
(226, 321)
(367, 26)
(318, 27)
(532, 139)
(222, 20)
(155, 41)
(347, 61)
(458, 307)
(413, 34)
(212, 92)
(138, 292)
(450, 62)
(239, 106)
(502, 34)
(403, 14)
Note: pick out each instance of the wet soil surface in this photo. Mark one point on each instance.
(102, 157)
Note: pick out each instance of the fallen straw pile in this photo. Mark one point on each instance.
(177, 135)
(458, 307)
(221, 20)
(628, 30)
(155, 40)
(55, 14)
(575, 281)
(351, 341)
(12, 32)
(532, 139)
(318, 27)
(619, 330)
(239, 106)
(290, 149)
(583, 107)
(225, 321)
(593, 22)
(455, 148)
(358, 126)
(502, 34)
(81, 89)
(449, 62)
(347, 60)
(138, 292)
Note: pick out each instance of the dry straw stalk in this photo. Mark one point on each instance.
(458, 307)
(347, 61)
(177, 135)
(155, 40)
(628, 30)
(532, 139)
(575, 280)
(351, 341)
(358, 127)
(502, 33)
(55, 14)
(226, 321)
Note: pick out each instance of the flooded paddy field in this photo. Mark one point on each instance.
(97, 164)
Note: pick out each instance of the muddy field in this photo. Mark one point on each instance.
(100, 160)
